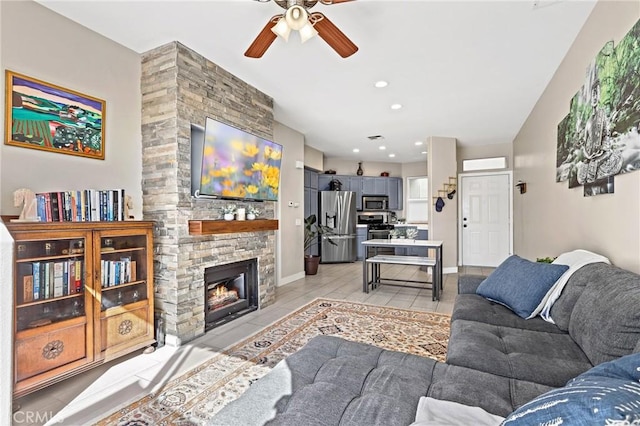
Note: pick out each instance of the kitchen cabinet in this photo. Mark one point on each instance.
(311, 184)
(394, 190)
(366, 185)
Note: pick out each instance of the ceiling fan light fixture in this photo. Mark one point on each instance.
(282, 29)
(297, 17)
(307, 32)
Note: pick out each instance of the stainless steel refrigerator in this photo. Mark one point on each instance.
(338, 211)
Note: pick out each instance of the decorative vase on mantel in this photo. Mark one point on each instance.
(251, 216)
(228, 216)
(359, 172)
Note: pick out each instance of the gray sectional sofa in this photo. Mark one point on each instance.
(496, 360)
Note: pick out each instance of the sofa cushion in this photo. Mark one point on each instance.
(473, 307)
(607, 394)
(605, 320)
(333, 381)
(468, 283)
(563, 307)
(540, 357)
(575, 260)
(520, 284)
(494, 394)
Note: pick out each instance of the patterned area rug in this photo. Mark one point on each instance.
(197, 395)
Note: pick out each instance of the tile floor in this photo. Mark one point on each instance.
(90, 396)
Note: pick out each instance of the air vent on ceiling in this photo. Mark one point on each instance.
(375, 138)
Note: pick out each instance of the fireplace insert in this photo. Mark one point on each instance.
(230, 291)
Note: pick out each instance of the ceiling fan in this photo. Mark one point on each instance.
(297, 17)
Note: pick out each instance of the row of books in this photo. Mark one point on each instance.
(87, 205)
(116, 272)
(47, 280)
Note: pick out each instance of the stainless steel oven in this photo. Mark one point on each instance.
(377, 231)
(375, 202)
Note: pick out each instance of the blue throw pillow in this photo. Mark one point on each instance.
(607, 394)
(520, 284)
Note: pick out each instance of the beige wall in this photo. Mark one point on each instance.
(443, 225)
(313, 158)
(344, 166)
(551, 218)
(290, 236)
(485, 151)
(41, 44)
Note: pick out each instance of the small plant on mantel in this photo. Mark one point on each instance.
(312, 231)
(228, 211)
(252, 212)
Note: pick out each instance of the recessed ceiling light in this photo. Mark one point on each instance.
(418, 143)
(392, 155)
(356, 150)
(382, 147)
(380, 84)
(396, 106)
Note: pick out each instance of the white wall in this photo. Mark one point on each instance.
(42, 44)
(290, 236)
(551, 218)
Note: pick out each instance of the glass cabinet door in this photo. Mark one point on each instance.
(49, 281)
(123, 270)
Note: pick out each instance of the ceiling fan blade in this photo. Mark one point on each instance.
(263, 40)
(332, 35)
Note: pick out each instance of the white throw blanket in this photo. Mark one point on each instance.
(436, 412)
(574, 260)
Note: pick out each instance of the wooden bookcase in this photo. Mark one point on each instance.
(83, 295)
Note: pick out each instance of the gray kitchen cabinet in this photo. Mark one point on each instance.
(323, 181)
(355, 185)
(394, 190)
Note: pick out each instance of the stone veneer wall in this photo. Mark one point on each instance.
(180, 87)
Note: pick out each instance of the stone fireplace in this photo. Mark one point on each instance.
(180, 87)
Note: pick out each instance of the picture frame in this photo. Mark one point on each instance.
(48, 117)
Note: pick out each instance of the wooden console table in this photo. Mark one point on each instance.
(376, 260)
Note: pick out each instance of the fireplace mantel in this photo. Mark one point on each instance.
(210, 227)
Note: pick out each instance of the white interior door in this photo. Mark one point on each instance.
(485, 219)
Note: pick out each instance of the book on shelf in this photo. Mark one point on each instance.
(27, 286)
(86, 205)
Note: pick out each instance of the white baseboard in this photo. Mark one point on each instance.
(171, 340)
(291, 278)
(450, 270)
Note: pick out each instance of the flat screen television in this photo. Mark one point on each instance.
(227, 162)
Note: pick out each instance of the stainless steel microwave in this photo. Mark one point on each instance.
(375, 202)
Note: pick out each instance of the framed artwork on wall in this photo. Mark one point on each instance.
(48, 117)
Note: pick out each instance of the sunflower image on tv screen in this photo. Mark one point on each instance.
(237, 164)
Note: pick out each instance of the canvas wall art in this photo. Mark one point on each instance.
(599, 138)
(47, 117)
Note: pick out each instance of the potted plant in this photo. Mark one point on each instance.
(312, 232)
(252, 212)
(228, 211)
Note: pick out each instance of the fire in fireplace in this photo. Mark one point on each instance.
(231, 290)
